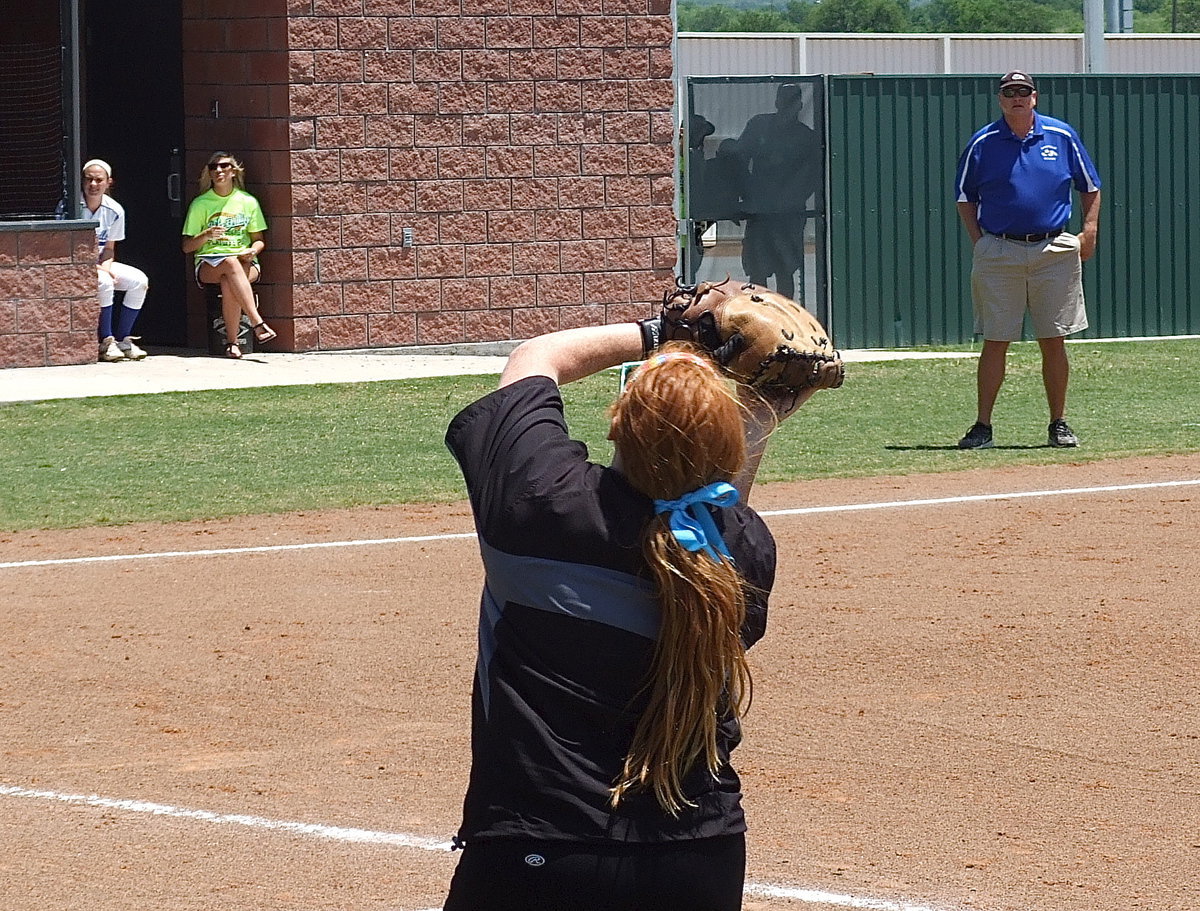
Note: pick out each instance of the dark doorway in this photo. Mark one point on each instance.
(132, 72)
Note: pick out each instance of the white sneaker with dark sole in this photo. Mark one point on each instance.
(129, 349)
(109, 350)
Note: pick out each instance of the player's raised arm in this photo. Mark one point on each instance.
(572, 354)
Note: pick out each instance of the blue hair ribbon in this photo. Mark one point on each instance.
(692, 523)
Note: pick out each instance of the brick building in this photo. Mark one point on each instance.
(433, 171)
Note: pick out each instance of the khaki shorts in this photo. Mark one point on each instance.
(1045, 277)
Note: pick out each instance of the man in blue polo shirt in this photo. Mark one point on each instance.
(1013, 189)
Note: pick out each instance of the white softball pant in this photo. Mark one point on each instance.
(123, 278)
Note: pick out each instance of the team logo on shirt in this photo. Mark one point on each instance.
(1049, 153)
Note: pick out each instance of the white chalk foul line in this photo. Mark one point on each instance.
(400, 840)
(224, 551)
(800, 511)
(818, 897)
(979, 497)
(314, 830)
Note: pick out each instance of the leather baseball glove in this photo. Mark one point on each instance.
(758, 336)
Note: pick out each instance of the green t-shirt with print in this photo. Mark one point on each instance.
(238, 213)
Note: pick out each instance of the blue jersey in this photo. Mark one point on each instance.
(1023, 186)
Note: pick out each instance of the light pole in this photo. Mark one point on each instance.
(1093, 36)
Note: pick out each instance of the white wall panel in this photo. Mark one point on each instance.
(1001, 53)
(742, 54)
(1153, 53)
(735, 55)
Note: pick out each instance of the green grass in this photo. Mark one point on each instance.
(102, 461)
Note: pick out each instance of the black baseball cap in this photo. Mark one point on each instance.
(1016, 77)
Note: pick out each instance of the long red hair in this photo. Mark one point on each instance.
(678, 427)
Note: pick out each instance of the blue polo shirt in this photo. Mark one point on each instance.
(1023, 186)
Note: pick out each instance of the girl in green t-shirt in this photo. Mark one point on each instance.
(224, 232)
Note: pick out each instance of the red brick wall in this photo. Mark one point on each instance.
(525, 143)
(48, 301)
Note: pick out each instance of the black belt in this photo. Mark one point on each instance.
(1031, 238)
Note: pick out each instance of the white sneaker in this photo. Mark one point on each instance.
(129, 349)
(109, 350)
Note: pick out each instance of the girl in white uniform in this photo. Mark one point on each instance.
(98, 206)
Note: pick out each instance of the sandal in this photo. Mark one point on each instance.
(266, 334)
(232, 350)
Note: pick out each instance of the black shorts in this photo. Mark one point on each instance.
(705, 874)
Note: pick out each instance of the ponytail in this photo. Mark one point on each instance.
(678, 429)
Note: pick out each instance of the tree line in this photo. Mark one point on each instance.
(955, 16)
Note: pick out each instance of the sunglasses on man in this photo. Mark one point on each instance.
(1016, 91)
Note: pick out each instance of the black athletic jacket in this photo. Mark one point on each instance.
(566, 632)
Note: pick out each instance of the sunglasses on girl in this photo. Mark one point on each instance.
(1016, 91)
(220, 165)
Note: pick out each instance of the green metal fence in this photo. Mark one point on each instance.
(898, 258)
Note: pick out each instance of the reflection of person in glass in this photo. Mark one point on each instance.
(699, 129)
(714, 185)
(781, 157)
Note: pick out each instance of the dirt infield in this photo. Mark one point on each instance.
(970, 703)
